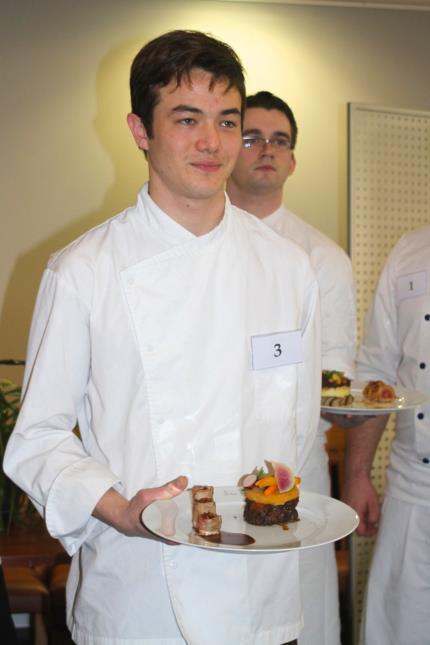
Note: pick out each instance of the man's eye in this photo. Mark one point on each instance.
(281, 142)
(250, 142)
(188, 120)
(228, 124)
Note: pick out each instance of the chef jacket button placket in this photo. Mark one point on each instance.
(427, 317)
(426, 460)
(422, 366)
(420, 415)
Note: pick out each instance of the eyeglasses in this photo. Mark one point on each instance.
(255, 142)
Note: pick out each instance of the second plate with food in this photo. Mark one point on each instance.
(406, 399)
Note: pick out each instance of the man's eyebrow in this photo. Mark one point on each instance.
(186, 108)
(252, 131)
(189, 108)
(230, 111)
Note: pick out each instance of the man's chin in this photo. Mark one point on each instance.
(207, 189)
(205, 193)
(262, 185)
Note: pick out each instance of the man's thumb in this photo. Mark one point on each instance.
(172, 488)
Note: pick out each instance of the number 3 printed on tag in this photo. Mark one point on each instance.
(276, 350)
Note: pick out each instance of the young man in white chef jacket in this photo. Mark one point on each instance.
(265, 162)
(183, 336)
(396, 349)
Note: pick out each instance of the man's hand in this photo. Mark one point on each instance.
(362, 496)
(361, 444)
(345, 421)
(125, 515)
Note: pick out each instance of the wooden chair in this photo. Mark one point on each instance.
(57, 594)
(28, 594)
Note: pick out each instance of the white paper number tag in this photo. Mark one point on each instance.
(275, 350)
(411, 285)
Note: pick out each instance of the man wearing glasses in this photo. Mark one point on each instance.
(265, 162)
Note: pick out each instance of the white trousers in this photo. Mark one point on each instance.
(398, 598)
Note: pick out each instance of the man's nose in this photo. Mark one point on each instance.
(208, 138)
(266, 149)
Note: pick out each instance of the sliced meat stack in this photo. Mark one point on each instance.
(205, 519)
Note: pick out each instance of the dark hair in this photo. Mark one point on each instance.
(269, 101)
(173, 56)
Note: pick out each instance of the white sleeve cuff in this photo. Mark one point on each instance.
(72, 499)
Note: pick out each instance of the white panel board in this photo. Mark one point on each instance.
(389, 194)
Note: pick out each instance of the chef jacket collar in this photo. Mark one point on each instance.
(172, 231)
(274, 220)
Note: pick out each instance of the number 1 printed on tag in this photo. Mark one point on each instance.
(411, 285)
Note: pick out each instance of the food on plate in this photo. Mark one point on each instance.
(203, 502)
(335, 388)
(208, 524)
(379, 392)
(205, 519)
(271, 497)
(200, 507)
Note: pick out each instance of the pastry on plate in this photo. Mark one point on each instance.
(335, 388)
(379, 392)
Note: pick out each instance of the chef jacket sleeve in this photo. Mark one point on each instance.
(44, 456)
(309, 372)
(338, 308)
(379, 355)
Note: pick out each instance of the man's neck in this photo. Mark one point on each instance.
(198, 216)
(260, 205)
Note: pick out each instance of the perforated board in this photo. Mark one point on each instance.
(389, 194)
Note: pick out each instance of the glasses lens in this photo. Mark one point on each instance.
(252, 142)
(281, 142)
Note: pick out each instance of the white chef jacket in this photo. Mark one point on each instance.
(333, 271)
(142, 332)
(396, 349)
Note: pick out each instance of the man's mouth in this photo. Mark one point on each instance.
(206, 166)
(265, 167)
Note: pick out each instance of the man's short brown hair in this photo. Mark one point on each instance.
(173, 56)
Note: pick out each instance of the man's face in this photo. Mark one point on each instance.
(261, 170)
(196, 138)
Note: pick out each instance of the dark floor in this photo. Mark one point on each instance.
(346, 623)
(26, 637)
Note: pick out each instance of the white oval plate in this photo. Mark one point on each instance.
(322, 520)
(406, 399)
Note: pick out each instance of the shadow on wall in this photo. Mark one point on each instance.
(129, 174)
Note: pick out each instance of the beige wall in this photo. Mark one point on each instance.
(69, 161)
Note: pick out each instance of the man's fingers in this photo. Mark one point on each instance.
(176, 486)
(169, 490)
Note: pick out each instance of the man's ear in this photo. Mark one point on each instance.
(292, 165)
(138, 131)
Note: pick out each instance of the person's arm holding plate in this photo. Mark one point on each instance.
(378, 358)
(359, 491)
(125, 515)
(346, 421)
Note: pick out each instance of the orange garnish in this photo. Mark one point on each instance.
(270, 490)
(266, 481)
